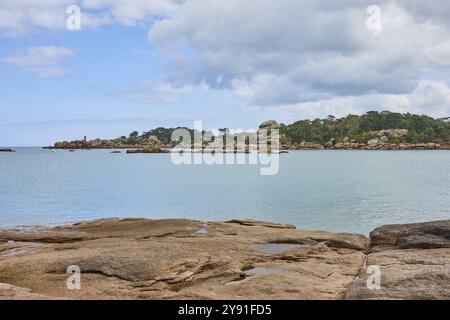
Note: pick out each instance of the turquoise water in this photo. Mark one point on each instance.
(351, 191)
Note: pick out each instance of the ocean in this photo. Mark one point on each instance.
(341, 191)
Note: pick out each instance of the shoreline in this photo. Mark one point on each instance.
(238, 259)
(141, 150)
(104, 145)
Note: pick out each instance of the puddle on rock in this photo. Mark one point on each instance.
(274, 248)
(255, 272)
(201, 231)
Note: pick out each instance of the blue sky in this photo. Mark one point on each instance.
(92, 98)
(136, 65)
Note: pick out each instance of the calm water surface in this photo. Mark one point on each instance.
(351, 191)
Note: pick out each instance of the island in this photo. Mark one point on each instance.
(371, 131)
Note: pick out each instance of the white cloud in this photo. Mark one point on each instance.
(429, 97)
(44, 61)
(275, 54)
(131, 12)
(439, 54)
(282, 52)
(22, 17)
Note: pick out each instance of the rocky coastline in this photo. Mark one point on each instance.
(373, 146)
(388, 139)
(102, 144)
(156, 148)
(238, 259)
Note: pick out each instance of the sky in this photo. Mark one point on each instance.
(136, 65)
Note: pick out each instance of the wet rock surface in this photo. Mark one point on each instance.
(185, 259)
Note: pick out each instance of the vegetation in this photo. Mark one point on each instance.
(421, 129)
(362, 128)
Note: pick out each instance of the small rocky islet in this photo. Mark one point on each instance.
(238, 259)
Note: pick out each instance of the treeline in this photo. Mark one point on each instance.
(421, 128)
(160, 135)
(358, 128)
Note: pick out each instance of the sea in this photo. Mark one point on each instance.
(340, 191)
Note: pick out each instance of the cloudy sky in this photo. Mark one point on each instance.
(146, 63)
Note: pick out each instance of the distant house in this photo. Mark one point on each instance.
(446, 119)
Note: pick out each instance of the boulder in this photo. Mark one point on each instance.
(373, 142)
(424, 235)
(271, 124)
(384, 139)
(413, 261)
(391, 133)
(405, 274)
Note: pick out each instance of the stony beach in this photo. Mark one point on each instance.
(240, 259)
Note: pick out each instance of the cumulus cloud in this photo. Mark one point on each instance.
(282, 52)
(288, 53)
(131, 12)
(429, 97)
(427, 11)
(21, 17)
(439, 54)
(44, 61)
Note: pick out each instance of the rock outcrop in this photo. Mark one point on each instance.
(271, 124)
(181, 259)
(428, 235)
(238, 259)
(9, 292)
(398, 133)
(373, 144)
(148, 144)
(152, 149)
(413, 261)
(306, 146)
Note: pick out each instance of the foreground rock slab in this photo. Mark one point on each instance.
(180, 259)
(238, 259)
